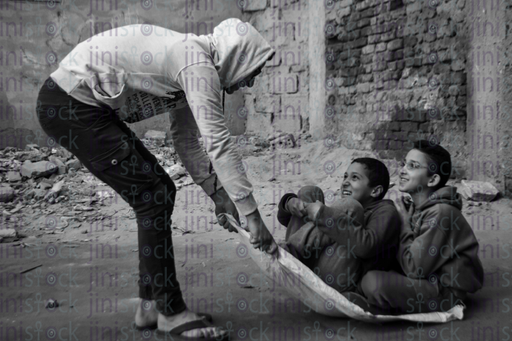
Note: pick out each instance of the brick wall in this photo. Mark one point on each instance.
(396, 73)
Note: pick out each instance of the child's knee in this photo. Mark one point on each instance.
(311, 194)
(370, 283)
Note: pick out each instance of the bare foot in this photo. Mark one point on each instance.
(146, 314)
(166, 323)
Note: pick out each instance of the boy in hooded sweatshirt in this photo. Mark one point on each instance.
(342, 254)
(135, 72)
(438, 250)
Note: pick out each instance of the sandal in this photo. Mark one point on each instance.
(206, 316)
(197, 324)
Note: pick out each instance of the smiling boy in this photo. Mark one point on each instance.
(370, 242)
(438, 250)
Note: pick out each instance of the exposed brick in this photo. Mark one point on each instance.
(409, 126)
(443, 44)
(379, 66)
(255, 5)
(367, 31)
(365, 78)
(345, 3)
(357, 43)
(259, 122)
(268, 103)
(388, 36)
(441, 68)
(374, 38)
(413, 62)
(461, 102)
(370, 12)
(459, 16)
(458, 65)
(429, 38)
(380, 47)
(414, 7)
(462, 90)
(290, 117)
(363, 87)
(354, 34)
(366, 59)
(394, 55)
(362, 5)
(363, 22)
(343, 37)
(368, 49)
(284, 83)
(410, 41)
(352, 53)
(343, 12)
(391, 75)
(350, 72)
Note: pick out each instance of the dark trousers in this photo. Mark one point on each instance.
(395, 293)
(112, 152)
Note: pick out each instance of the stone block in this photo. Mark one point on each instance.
(284, 83)
(478, 191)
(253, 5)
(268, 103)
(288, 122)
(363, 88)
(458, 65)
(368, 49)
(345, 3)
(380, 47)
(38, 169)
(13, 176)
(395, 44)
(176, 171)
(59, 163)
(259, 123)
(156, 136)
(6, 193)
(74, 164)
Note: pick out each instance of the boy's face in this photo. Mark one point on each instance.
(414, 175)
(356, 184)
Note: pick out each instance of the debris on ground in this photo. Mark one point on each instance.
(176, 171)
(156, 136)
(478, 191)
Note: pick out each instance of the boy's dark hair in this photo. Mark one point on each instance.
(377, 173)
(439, 160)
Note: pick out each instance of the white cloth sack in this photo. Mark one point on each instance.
(307, 286)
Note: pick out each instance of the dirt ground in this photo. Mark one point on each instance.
(90, 268)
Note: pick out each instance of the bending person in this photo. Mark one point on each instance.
(134, 72)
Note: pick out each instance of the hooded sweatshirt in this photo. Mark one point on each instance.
(439, 245)
(375, 241)
(145, 70)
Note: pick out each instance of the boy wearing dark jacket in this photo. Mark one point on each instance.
(338, 250)
(438, 250)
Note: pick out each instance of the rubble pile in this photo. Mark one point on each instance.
(49, 189)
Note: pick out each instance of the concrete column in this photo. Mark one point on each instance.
(486, 24)
(317, 69)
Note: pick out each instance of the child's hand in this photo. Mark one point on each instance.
(406, 210)
(312, 210)
(296, 207)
